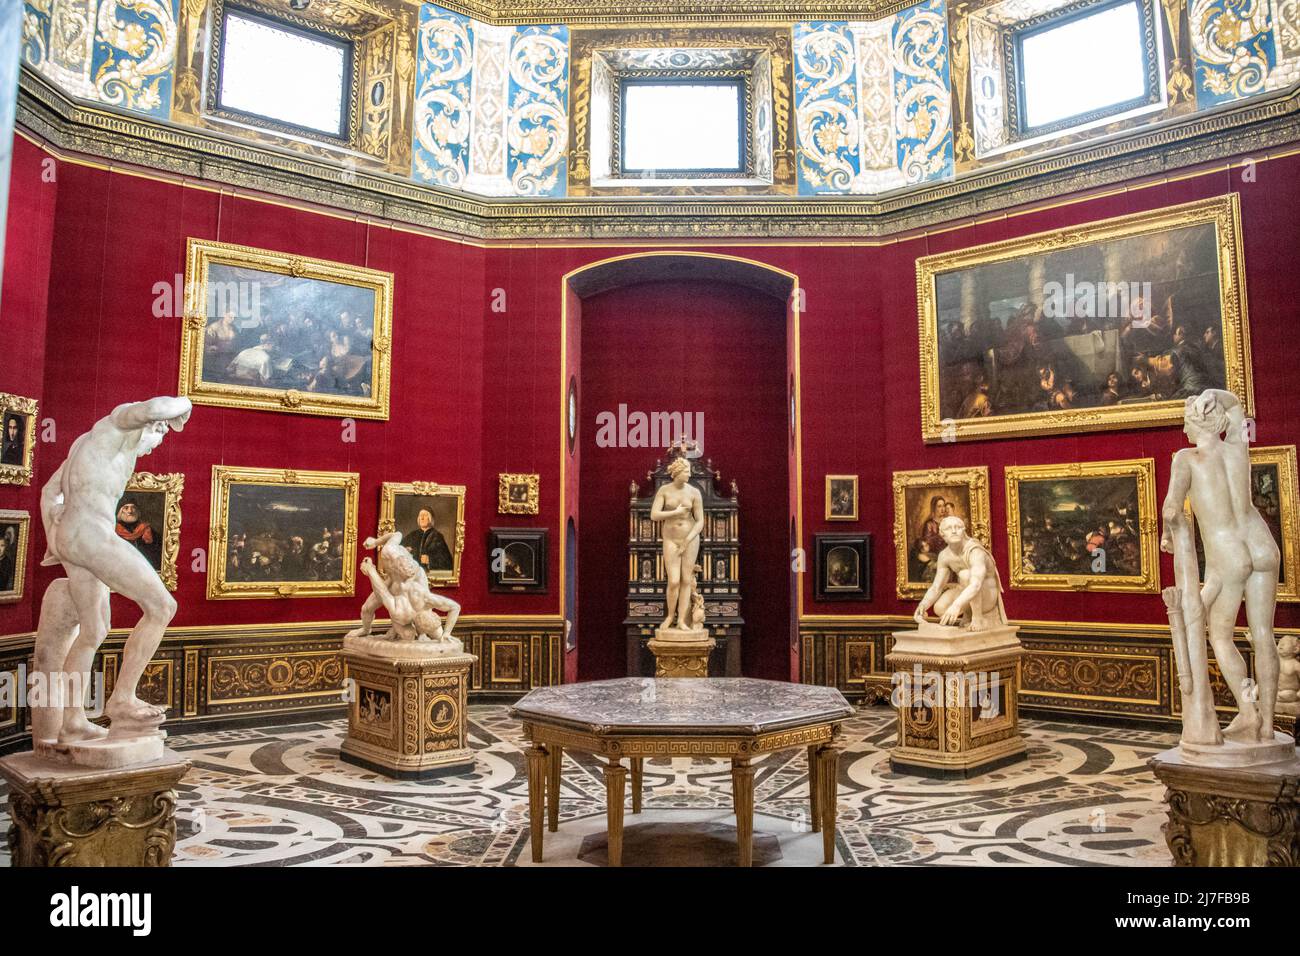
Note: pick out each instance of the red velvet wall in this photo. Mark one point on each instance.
(33, 193)
(687, 347)
(477, 391)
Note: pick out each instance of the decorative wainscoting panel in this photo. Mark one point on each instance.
(205, 674)
(1080, 670)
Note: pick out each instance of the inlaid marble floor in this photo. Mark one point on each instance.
(280, 797)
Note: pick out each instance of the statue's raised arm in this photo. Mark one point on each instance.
(172, 410)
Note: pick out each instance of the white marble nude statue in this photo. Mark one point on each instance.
(966, 590)
(679, 505)
(401, 586)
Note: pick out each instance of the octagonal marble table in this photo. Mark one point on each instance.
(637, 717)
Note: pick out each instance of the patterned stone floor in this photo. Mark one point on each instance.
(280, 797)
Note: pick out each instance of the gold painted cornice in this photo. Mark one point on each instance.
(607, 12)
(95, 134)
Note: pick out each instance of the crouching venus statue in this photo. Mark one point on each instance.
(78, 505)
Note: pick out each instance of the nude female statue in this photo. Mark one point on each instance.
(680, 507)
(966, 590)
(1241, 561)
(79, 508)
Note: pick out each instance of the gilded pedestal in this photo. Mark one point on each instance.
(1231, 816)
(956, 692)
(63, 815)
(406, 718)
(681, 653)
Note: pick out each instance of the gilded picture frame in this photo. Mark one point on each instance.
(841, 497)
(915, 544)
(335, 488)
(400, 507)
(945, 420)
(518, 494)
(171, 487)
(23, 413)
(1284, 525)
(1127, 540)
(13, 563)
(314, 364)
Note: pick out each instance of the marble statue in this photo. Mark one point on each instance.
(402, 587)
(966, 591)
(680, 507)
(1241, 562)
(1288, 676)
(78, 508)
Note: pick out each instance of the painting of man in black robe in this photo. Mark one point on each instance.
(428, 527)
(273, 331)
(140, 523)
(9, 556)
(1125, 321)
(13, 438)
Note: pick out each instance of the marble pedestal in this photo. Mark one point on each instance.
(680, 652)
(406, 718)
(64, 815)
(1231, 816)
(956, 693)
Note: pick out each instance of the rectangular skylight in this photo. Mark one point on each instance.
(682, 126)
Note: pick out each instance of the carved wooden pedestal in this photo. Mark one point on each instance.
(680, 653)
(406, 718)
(1231, 816)
(72, 816)
(956, 696)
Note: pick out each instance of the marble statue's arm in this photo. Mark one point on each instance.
(932, 593)
(979, 569)
(697, 509)
(447, 606)
(1180, 482)
(1231, 407)
(165, 408)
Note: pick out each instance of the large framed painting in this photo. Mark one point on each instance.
(14, 527)
(517, 560)
(1084, 527)
(17, 439)
(282, 533)
(287, 333)
(431, 518)
(1100, 326)
(149, 519)
(922, 499)
(842, 565)
(1276, 495)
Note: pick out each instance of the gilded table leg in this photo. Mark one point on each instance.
(615, 785)
(537, 758)
(742, 796)
(828, 779)
(636, 783)
(812, 789)
(555, 757)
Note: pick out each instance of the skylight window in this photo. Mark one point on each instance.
(685, 127)
(1082, 66)
(291, 76)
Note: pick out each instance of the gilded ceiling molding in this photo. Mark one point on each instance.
(1250, 127)
(642, 12)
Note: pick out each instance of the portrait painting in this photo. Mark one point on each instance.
(842, 567)
(517, 494)
(841, 497)
(17, 439)
(517, 559)
(1088, 526)
(922, 499)
(149, 519)
(1107, 325)
(14, 526)
(282, 533)
(269, 330)
(1276, 496)
(431, 519)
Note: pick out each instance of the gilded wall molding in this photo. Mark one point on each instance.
(603, 12)
(101, 135)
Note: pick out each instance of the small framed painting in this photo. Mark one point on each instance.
(17, 439)
(843, 567)
(517, 494)
(13, 554)
(841, 497)
(517, 560)
(149, 519)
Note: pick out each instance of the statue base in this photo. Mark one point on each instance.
(681, 652)
(1231, 816)
(1232, 753)
(63, 815)
(407, 715)
(105, 753)
(956, 692)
